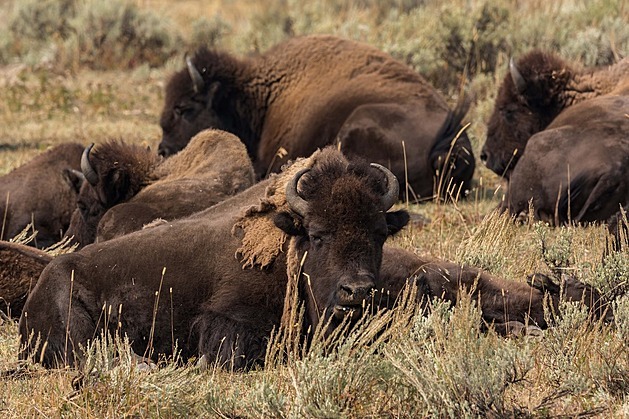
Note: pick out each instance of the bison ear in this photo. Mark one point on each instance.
(288, 224)
(74, 178)
(396, 220)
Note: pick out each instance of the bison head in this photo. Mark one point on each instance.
(339, 222)
(113, 173)
(573, 290)
(530, 97)
(189, 106)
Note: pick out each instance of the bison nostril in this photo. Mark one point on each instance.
(347, 289)
(483, 156)
(357, 291)
(163, 151)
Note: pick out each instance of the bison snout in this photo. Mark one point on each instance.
(164, 151)
(357, 290)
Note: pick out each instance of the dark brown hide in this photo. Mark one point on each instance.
(312, 91)
(548, 85)
(508, 306)
(207, 301)
(618, 228)
(578, 168)
(136, 187)
(42, 191)
(20, 266)
(572, 290)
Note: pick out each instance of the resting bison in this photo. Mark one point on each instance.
(507, 306)
(324, 220)
(127, 186)
(533, 94)
(43, 192)
(20, 267)
(577, 169)
(312, 91)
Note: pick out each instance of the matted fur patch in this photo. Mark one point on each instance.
(261, 240)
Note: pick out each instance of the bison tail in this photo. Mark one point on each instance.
(451, 157)
(588, 199)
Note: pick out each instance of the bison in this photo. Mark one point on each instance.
(509, 307)
(128, 186)
(42, 192)
(312, 91)
(323, 221)
(577, 169)
(534, 92)
(20, 267)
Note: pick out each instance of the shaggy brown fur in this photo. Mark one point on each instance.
(214, 306)
(577, 169)
(42, 191)
(261, 240)
(312, 91)
(137, 187)
(551, 86)
(20, 266)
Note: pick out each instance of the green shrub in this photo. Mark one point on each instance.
(100, 35)
(208, 32)
(116, 34)
(451, 369)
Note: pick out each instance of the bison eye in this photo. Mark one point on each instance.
(185, 112)
(316, 240)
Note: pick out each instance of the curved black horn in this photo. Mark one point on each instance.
(393, 192)
(197, 80)
(294, 201)
(518, 80)
(86, 167)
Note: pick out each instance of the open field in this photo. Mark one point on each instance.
(56, 86)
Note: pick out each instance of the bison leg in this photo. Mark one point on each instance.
(54, 328)
(229, 343)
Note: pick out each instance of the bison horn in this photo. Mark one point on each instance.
(393, 192)
(293, 199)
(197, 80)
(518, 80)
(86, 167)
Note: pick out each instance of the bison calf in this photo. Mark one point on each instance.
(507, 306)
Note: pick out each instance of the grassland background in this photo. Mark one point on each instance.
(88, 71)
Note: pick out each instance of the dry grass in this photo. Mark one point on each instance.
(440, 365)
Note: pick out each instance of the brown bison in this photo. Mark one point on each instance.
(312, 91)
(42, 192)
(577, 169)
(128, 186)
(20, 267)
(509, 307)
(324, 220)
(534, 92)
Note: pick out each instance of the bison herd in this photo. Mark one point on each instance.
(278, 172)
